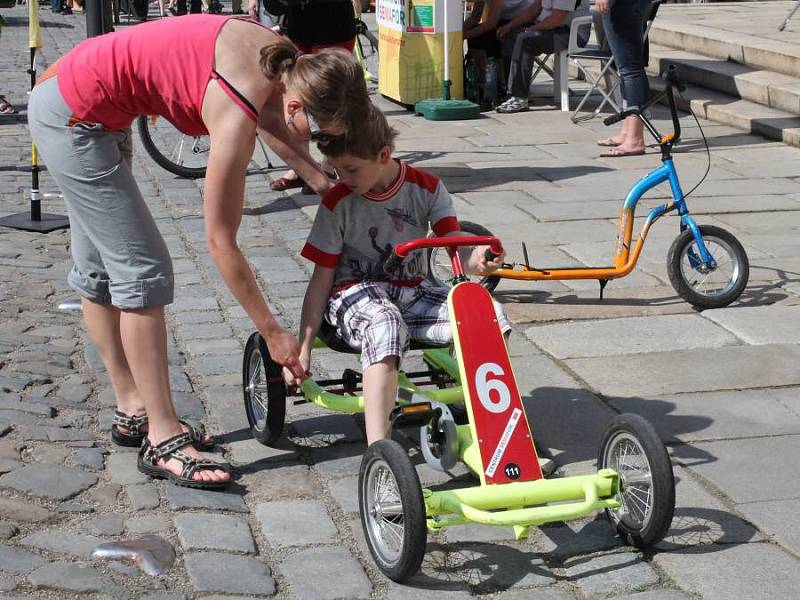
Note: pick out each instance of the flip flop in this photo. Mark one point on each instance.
(6, 108)
(607, 143)
(616, 153)
(284, 183)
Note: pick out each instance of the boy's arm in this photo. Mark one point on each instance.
(314, 305)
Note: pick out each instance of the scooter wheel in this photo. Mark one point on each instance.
(264, 392)
(632, 448)
(699, 286)
(392, 510)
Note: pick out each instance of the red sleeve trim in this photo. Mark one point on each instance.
(319, 257)
(447, 225)
(335, 195)
(422, 179)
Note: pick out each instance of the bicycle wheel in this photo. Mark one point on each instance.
(264, 398)
(440, 270)
(366, 51)
(694, 281)
(392, 510)
(180, 154)
(633, 449)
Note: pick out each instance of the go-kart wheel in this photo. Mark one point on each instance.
(440, 271)
(439, 441)
(264, 391)
(700, 286)
(392, 510)
(633, 449)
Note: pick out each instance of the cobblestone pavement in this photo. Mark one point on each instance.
(721, 386)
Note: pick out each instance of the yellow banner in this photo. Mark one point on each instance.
(34, 35)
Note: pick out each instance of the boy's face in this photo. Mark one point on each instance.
(359, 174)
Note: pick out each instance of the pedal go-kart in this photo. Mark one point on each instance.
(634, 483)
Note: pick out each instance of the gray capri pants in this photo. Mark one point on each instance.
(120, 256)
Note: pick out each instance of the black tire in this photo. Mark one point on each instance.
(385, 460)
(708, 289)
(264, 401)
(439, 269)
(647, 492)
(183, 148)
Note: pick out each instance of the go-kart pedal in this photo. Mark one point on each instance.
(415, 414)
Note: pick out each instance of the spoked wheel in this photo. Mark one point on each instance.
(440, 270)
(392, 510)
(694, 281)
(632, 448)
(264, 392)
(180, 154)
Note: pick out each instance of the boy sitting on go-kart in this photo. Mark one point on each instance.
(379, 203)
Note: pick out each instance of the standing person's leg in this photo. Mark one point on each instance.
(122, 265)
(624, 29)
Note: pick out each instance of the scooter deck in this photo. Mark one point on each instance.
(496, 414)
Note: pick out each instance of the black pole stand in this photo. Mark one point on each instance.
(36, 220)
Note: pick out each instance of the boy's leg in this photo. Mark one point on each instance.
(380, 395)
(367, 319)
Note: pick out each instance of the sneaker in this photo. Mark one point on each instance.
(513, 105)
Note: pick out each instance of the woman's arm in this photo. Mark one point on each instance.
(314, 304)
(232, 141)
(272, 129)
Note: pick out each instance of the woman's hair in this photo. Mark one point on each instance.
(330, 83)
(365, 141)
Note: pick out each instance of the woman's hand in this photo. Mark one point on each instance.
(285, 350)
(502, 31)
(603, 6)
(252, 8)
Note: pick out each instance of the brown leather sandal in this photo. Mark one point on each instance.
(149, 456)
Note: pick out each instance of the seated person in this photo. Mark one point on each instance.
(480, 31)
(549, 19)
(379, 203)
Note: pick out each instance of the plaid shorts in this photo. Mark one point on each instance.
(381, 319)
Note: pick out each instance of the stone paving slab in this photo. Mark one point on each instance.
(229, 573)
(629, 336)
(759, 325)
(738, 467)
(295, 522)
(734, 367)
(771, 518)
(326, 573)
(717, 415)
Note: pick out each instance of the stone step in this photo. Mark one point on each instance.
(761, 86)
(752, 51)
(745, 115)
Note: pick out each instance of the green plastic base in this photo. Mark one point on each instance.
(438, 109)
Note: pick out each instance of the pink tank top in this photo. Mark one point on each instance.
(156, 68)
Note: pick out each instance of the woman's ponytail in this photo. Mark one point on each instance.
(277, 58)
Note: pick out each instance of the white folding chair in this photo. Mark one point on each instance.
(600, 52)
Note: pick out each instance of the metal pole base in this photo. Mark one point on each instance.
(49, 222)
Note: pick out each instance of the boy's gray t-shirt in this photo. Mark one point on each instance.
(355, 233)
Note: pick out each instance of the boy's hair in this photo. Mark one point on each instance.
(366, 140)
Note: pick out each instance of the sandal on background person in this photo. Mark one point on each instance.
(133, 437)
(6, 108)
(149, 456)
(286, 183)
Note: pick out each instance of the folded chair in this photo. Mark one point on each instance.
(599, 52)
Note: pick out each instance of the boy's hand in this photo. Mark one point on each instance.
(291, 379)
(285, 350)
(486, 266)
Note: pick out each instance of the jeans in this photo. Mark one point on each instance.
(624, 29)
